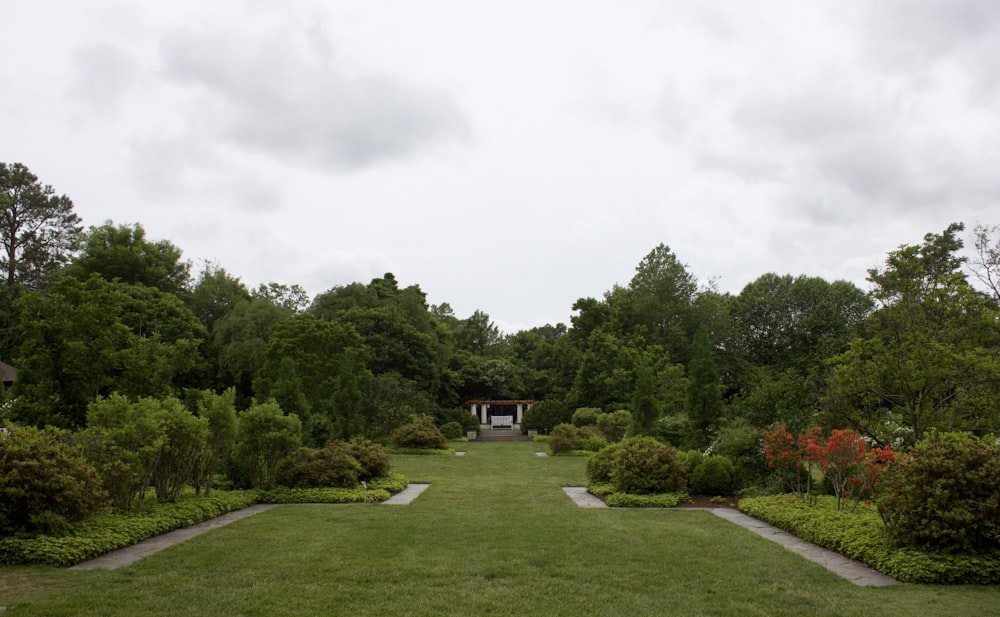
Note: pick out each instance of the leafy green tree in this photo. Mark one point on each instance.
(239, 344)
(390, 400)
(985, 264)
(184, 438)
(38, 229)
(45, 483)
(929, 361)
(661, 298)
(264, 437)
(73, 349)
(287, 390)
(215, 294)
(219, 411)
(291, 298)
(645, 410)
(123, 440)
(704, 402)
(124, 253)
(348, 400)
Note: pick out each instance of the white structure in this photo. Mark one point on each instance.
(483, 409)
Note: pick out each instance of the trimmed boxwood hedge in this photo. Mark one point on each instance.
(860, 535)
(659, 500)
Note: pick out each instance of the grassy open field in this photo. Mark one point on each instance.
(493, 535)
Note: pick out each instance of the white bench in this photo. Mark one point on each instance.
(502, 422)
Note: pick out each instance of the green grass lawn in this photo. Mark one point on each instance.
(493, 535)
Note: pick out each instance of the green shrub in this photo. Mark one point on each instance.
(691, 458)
(421, 433)
(644, 465)
(600, 465)
(545, 415)
(742, 443)
(452, 430)
(714, 476)
(264, 436)
(614, 426)
(330, 466)
(564, 438)
(44, 483)
(944, 496)
(356, 494)
(372, 457)
(585, 416)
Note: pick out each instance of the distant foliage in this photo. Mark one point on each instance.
(945, 495)
(644, 465)
(45, 484)
(420, 432)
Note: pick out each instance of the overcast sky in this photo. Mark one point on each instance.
(512, 156)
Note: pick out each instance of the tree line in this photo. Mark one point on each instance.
(90, 313)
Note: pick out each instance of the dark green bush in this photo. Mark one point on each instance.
(264, 436)
(614, 426)
(372, 457)
(644, 465)
(600, 465)
(585, 416)
(330, 466)
(452, 430)
(44, 483)
(420, 432)
(714, 476)
(545, 415)
(944, 496)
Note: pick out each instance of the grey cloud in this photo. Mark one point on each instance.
(295, 103)
(105, 76)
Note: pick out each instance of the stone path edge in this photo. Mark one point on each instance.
(856, 572)
(131, 554)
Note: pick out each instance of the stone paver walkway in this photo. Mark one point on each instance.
(854, 571)
(406, 496)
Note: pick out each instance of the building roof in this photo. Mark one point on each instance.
(8, 374)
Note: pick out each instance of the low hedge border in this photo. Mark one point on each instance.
(111, 530)
(860, 535)
(626, 500)
(426, 451)
(114, 530)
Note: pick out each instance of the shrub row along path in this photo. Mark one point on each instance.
(854, 571)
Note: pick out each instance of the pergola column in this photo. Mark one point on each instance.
(520, 413)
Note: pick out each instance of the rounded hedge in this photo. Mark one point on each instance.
(600, 465)
(44, 482)
(714, 476)
(644, 466)
(944, 495)
(330, 466)
(420, 432)
(372, 457)
(452, 430)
